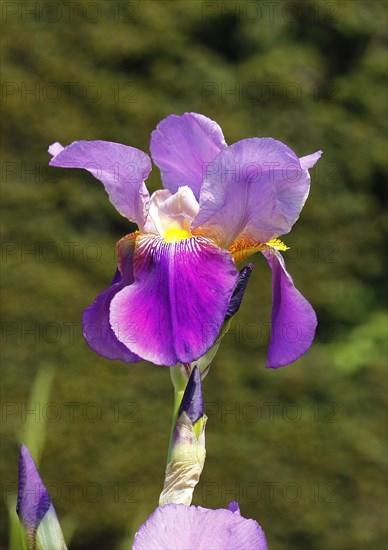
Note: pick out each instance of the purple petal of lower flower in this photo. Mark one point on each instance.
(293, 320)
(175, 308)
(254, 188)
(122, 170)
(180, 527)
(33, 497)
(181, 146)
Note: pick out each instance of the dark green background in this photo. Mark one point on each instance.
(311, 74)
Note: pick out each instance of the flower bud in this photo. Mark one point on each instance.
(39, 522)
(187, 456)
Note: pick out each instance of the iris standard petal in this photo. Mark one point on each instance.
(293, 320)
(175, 308)
(122, 170)
(95, 319)
(181, 146)
(180, 527)
(254, 188)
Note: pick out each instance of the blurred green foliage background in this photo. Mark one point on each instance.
(301, 448)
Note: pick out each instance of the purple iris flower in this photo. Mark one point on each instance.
(177, 274)
(180, 527)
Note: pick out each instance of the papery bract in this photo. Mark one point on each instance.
(177, 275)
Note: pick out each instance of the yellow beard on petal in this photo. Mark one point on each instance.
(243, 247)
(175, 234)
(277, 244)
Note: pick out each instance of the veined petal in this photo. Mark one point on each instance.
(122, 170)
(293, 320)
(175, 308)
(181, 146)
(96, 327)
(256, 188)
(95, 319)
(180, 527)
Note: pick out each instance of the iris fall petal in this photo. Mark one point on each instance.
(95, 319)
(97, 330)
(175, 308)
(293, 320)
